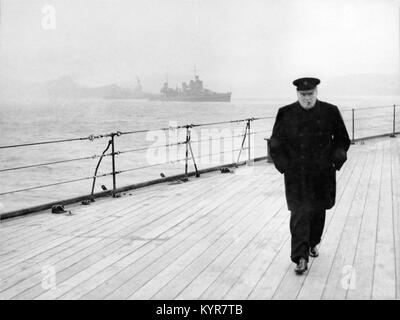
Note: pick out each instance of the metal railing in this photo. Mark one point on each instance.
(353, 123)
(358, 126)
(112, 139)
(389, 128)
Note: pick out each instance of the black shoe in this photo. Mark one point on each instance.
(301, 266)
(313, 252)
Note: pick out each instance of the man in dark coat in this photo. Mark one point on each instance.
(309, 143)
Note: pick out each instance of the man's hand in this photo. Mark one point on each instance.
(339, 158)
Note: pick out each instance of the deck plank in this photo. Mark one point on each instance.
(221, 236)
(30, 286)
(384, 285)
(242, 262)
(395, 170)
(82, 263)
(335, 287)
(98, 229)
(363, 263)
(220, 220)
(109, 272)
(214, 260)
(39, 222)
(187, 235)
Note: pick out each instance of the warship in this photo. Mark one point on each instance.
(193, 91)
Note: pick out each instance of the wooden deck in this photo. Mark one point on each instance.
(220, 236)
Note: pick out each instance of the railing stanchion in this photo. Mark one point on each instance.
(393, 135)
(97, 168)
(352, 127)
(192, 154)
(248, 141)
(243, 141)
(187, 152)
(113, 163)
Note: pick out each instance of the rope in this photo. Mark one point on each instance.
(55, 184)
(90, 138)
(263, 118)
(98, 163)
(372, 127)
(212, 139)
(54, 162)
(213, 154)
(389, 116)
(153, 165)
(150, 130)
(156, 147)
(120, 133)
(261, 131)
(376, 107)
(193, 125)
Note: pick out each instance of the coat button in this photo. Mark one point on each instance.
(319, 133)
(318, 121)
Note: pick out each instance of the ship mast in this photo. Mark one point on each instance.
(195, 73)
(139, 86)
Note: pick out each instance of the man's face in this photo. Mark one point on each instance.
(308, 98)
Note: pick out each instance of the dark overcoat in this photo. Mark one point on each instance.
(308, 146)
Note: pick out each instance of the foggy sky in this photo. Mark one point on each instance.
(238, 45)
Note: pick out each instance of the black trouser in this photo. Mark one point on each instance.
(306, 228)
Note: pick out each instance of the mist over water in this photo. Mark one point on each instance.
(254, 49)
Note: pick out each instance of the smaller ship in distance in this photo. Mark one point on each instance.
(117, 92)
(193, 91)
